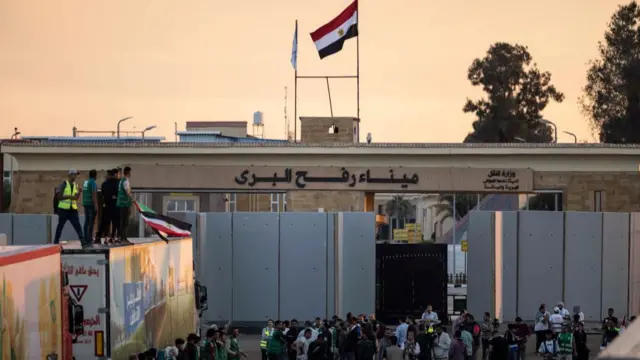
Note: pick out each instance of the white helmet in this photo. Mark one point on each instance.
(556, 309)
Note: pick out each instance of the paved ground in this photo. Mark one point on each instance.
(250, 344)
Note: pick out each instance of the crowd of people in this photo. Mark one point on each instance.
(559, 336)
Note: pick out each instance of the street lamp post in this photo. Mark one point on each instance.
(555, 129)
(119, 122)
(150, 127)
(575, 138)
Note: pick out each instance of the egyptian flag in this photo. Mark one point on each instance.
(164, 226)
(330, 37)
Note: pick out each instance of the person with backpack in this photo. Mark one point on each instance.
(549, 347)
(476, 333)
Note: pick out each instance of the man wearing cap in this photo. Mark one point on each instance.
(67, 194)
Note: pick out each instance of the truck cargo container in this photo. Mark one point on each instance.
(33, 305)
(134, 297)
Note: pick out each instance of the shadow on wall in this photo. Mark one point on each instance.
(6, 197)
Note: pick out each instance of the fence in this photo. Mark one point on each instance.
(519, 260)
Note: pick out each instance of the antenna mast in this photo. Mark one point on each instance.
(287, 133)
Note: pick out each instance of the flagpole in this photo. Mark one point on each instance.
(295, 93)
(358, 61)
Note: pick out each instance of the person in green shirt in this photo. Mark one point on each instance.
(234, 347)
(90, 205)
(124, 200)
(566, 344)
(276, 347)
(209, 349)
(221, 350)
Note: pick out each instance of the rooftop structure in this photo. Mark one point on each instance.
(92, 139)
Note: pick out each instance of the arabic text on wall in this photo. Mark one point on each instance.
(301, 178)
(501, 180)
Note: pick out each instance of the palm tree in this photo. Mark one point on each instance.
(464, 204)
(399, 207)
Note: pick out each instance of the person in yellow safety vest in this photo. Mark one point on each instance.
(266, 336)
(67, 195)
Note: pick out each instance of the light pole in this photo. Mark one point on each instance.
(575, 138)
(150, 127)
(555, 129)
(119, 122)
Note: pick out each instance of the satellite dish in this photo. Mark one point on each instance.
(369, 138)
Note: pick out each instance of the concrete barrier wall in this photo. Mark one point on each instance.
(287, 265)
(519, 260)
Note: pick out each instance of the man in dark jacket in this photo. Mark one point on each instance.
(317, 349)
(291, 336)
(109, 216)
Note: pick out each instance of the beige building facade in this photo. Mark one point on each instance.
(330, 170)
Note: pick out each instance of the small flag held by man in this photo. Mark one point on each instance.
(164, 226)
(330, 38)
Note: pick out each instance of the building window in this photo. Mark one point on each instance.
(597, 201)
(232, 202)
(278, 202)
(180, 204)
(6, 175)
(545, 200)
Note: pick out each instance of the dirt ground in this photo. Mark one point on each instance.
(251, 345)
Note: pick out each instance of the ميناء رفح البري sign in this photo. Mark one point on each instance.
(334, 178)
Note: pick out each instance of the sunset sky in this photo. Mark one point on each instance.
(90, 63)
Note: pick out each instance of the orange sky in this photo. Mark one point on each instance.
(90, 63)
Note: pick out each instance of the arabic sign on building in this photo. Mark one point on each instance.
(376, 179)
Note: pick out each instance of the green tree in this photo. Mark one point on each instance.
(516, 94)
(464, 203)
(611, 98)
(399, 207)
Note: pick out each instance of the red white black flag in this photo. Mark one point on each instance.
(330, 37)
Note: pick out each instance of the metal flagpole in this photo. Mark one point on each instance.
(358, 60)
(295, 91)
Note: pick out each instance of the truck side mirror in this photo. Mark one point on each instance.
(201, 296)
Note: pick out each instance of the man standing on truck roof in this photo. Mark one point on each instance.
(123, 203)
(90, 204)
(67, 194)
(110, 215)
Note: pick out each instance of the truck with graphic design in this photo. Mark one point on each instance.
(36, 313)
(134, 297)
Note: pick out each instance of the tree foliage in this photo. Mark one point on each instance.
(611, 98)
(463, 204)
(399, 207)
(516, 94)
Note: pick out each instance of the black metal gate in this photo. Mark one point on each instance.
(408, 278)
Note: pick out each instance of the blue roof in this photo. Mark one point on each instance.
(94, 138)
(206, 136)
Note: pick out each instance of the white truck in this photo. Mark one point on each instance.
(134, 297)
(35, 311)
